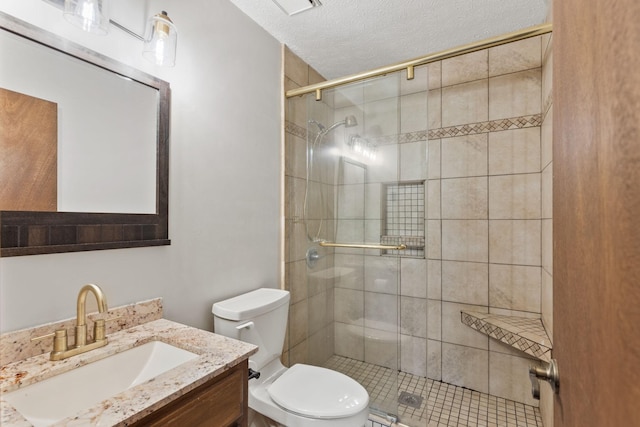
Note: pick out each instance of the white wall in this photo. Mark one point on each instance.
(225, 172)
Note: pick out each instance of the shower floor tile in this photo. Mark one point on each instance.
(442, 404)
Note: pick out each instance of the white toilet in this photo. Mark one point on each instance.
(299, 396)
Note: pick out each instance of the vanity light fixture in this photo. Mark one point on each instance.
(161, 40)
(161, 35)
(90, 15)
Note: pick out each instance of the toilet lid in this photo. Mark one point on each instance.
(318, 392)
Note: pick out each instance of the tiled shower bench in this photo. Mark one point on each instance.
(522, 333)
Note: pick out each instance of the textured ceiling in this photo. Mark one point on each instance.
(344, 37)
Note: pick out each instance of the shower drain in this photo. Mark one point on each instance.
(410, 399)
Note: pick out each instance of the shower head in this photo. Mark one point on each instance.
(349, 121)
(317, 123)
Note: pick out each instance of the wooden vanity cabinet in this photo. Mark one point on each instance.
(220, 402)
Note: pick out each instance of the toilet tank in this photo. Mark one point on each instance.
(258, 317)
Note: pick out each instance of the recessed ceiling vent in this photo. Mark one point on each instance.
(291, 7)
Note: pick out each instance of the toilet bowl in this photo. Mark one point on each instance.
(299, 396)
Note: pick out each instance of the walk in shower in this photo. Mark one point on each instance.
(408, 202)
(360, 210)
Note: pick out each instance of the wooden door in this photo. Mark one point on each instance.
(596, 186)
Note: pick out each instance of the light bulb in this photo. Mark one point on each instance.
(161, 40)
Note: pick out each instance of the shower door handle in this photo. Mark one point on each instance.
(548, 373)
(400, 247)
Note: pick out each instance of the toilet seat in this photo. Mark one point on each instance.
(317, 392)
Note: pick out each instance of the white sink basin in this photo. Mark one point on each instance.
(62, 396)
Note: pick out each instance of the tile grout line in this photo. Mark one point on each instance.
(443, 404)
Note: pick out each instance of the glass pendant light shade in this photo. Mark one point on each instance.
(161, 39)
(90, 15)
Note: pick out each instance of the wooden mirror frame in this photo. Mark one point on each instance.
(31, 233)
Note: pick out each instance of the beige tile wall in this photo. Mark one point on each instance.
(486, 223)
(414, 166)
(310, 333)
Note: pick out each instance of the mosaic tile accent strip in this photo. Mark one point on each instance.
(489, 126)
(385, 140)
(523, 333)
(442, 404)
(404, 213)
(295, 130)
(404, 209)
(412, 242)
(447, 132)
(421, 135)
(468, 129)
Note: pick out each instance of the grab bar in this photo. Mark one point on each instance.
(399, 247)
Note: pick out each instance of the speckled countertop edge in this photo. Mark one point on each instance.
(217, 355)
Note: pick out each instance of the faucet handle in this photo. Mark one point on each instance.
(59, 339)
(103, 316)
(99, 329)
(41, 337)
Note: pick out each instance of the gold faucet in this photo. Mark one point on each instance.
(60, 347)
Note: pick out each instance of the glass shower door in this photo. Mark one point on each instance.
(351, 196)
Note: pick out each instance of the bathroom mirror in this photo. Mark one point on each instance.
(107, 130)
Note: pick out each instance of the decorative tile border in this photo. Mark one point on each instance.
(446, 132)
(523, 333)
(386, 140)
(295, 130)
(421, 135)
(461, 130)
(488, 126)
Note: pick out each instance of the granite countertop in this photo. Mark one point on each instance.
(217, 355)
